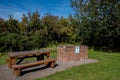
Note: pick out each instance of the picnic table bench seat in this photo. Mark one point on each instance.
(17, 68)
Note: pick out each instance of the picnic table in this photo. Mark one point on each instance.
(15, 58)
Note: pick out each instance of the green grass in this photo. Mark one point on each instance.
(3, 58)
(108, 68)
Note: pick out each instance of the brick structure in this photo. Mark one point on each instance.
(72, 53)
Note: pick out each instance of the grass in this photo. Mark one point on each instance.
(3, 58)
(107, 68)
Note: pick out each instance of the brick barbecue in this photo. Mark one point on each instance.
(72, 53)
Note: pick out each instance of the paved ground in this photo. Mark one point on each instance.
(39, 71)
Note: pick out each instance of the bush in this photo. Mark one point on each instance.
(17, 42)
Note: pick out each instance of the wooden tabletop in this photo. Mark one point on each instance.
(24, 53)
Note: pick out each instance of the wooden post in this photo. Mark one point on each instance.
(13, 61)
(48, 55)
(17, 72)
(52, 64)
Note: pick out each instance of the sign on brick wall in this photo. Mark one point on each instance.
(77, 49)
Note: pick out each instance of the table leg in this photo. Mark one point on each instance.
(9, 62)
(17, 72)
(48, 55)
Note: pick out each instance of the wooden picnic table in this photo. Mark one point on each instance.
(14, 56)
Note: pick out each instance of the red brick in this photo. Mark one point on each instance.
(67, 53)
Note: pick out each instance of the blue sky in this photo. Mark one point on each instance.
(18, 7)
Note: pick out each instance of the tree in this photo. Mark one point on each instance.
(12, 25)
(65, 30)
(50, 26)
(34, 22)
(99, 25)
(30, 23)
(3, 26)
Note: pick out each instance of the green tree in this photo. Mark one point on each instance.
(50, 28)
(12, 25)
(98, 23)
(30, 23)
(65, 31)
(3, 26)
(34, 22)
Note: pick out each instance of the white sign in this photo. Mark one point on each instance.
(77, 49)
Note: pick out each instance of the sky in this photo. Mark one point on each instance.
(18, 7)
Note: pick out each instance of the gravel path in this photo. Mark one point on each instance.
(38, 71)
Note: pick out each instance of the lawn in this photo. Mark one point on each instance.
(107, 68)
(3, 58)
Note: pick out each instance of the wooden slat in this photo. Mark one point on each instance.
(32, 63)
(25, 53)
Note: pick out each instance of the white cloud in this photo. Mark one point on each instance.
(11, 9)
(18, 15)
(64, 9)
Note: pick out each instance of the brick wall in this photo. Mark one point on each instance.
(68, 53)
